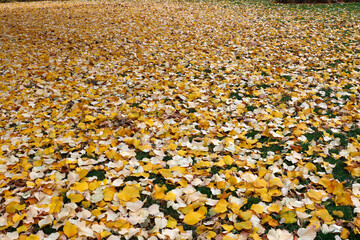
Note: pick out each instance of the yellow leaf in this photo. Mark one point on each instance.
(70, 229)
(90, 149)
(344, 234)
(228, 160)
(266, 197)
(277, 114)
(256, 93)
(187, 209)
(357, 221)
(108, 194)
(343, 199)
(251, 141)
(30, 184)
(172, 146)
(289, 216)
(310, 166)
(339, 214)
(193, 218)
(274, 208)
(170, 196)
(135, 142)
(56, 204)
(259, 183)
(181, 152)
(94, 185)
(232, 180)
(243, 225)
(338, 188)
(129, 193)
(48, 191)
(202, 210)
(234, 207)
(273, 223)
(220, 163)
(86, 204)
(227, 227)
(211, 235)
(262, 172)
(110, 154)
(75, 197)
(31, 237)
(274, 192)
(201, 229)
(324, 215)
(221, 206)
(298, 132)
(17, 218)
(19, 207)
(226, 237)
(22, 228)
(257, 208)
(145, 148)
(276, 182)
(166, 173)
(325, 182)
(159, 192)
(81, 186)
(82, 172)
(48, 151)
(13, 206)
(246, 215)
(314, 195)
(149, 122)
(89, 118)
(171, 223)
(104, 234)
(282, 105)
(96, 212)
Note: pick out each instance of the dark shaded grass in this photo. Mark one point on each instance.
(315, 1)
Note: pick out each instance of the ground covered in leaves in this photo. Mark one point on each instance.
(169, 120)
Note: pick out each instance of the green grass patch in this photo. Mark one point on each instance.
(99, 174)
(347, 210)
(140, 155)
(250, 202)
(340, 173)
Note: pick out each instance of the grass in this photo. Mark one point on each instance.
(335, 8)
(99, 174)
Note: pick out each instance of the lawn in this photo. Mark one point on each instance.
(179, 120)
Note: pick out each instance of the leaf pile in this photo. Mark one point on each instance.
(173, 120)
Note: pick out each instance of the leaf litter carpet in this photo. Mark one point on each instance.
(178, 120)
